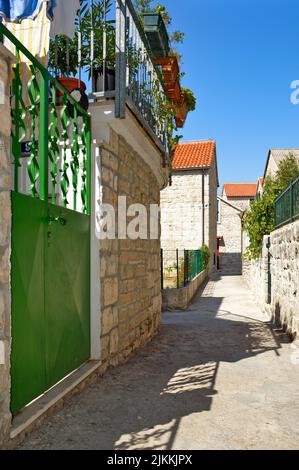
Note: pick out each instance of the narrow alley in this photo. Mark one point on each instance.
(217, 376)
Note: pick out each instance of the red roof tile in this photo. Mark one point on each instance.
(239, 189)
(194, 154)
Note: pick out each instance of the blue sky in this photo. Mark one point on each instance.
(240, 57)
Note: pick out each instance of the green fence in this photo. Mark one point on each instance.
(287, 204)
(179, 267)
(51, 134)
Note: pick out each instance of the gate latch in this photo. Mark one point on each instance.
(51, 219)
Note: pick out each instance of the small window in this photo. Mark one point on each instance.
(218, 212)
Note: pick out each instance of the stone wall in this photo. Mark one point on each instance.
(180, 299)
(284, 251)
(212, 210)
(285, 277)
(181, 212)
(130, 269)
(5, 247)
(255, 273)
(230, 229)
(241, 202)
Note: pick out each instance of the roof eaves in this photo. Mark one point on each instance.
(230, 204)
(186, 168)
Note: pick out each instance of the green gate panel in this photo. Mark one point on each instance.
(50, 296)
(28, 319)
(67, 281)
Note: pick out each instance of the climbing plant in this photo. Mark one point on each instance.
(259, 219)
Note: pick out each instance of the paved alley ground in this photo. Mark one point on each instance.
(221, 378)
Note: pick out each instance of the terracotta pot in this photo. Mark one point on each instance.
(170, 68)
(174, 90)
(181, 111)
(70, 84)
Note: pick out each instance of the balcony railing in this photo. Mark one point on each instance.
(139, 82)
(179, 267)
(51, 134)
(287, 204)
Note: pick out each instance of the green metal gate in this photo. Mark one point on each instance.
(50, 231)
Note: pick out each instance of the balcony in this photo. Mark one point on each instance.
(116, 62)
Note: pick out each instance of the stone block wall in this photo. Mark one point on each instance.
(284, 251)
(181, 212)
(285, 277)
(5, 246)
(255, 273)
(230, 228)
(212, 210)
(130, 269)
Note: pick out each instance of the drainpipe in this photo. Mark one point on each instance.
(203, 206)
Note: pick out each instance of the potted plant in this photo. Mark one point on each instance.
(181, 110)
(156, 33)
(102, 68)
(182, 107)
(170, 68)
(63, 63)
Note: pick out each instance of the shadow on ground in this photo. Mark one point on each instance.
(140, 405)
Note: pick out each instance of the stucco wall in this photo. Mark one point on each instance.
(5, 245)
(130, 269)
(230, 229)
(284, 251)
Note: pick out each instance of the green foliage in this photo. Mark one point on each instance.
(61, 68)
(191, 98)
(288, 168)
(206, 254)
(95, 20)
(259, 219)
(143, 6)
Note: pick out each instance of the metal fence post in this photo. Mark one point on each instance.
(43, 134)
(177, 269)
(162, 274)
(120, 60)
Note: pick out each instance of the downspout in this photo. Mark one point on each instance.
(203, 206)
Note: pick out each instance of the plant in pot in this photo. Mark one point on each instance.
(182, 107)
(101, 67)
(63, 63)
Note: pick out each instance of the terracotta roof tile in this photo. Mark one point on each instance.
(194, 154)
(239, 189)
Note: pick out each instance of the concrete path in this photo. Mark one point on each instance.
(221, 378)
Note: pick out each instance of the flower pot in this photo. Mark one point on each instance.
(98, 84)
(174, 90)
(70, 84)
(181, 111)
(156, 33)
(170, 68)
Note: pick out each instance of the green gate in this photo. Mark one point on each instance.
(50, 231)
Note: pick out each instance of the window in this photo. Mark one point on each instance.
(218, 212)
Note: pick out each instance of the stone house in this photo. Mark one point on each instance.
(235, 199)
(275, 156)
(121, 159)
(189, 204)
(259, 186)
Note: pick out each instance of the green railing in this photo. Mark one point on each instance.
(55, 130)
(287, 204)
(179, 267)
